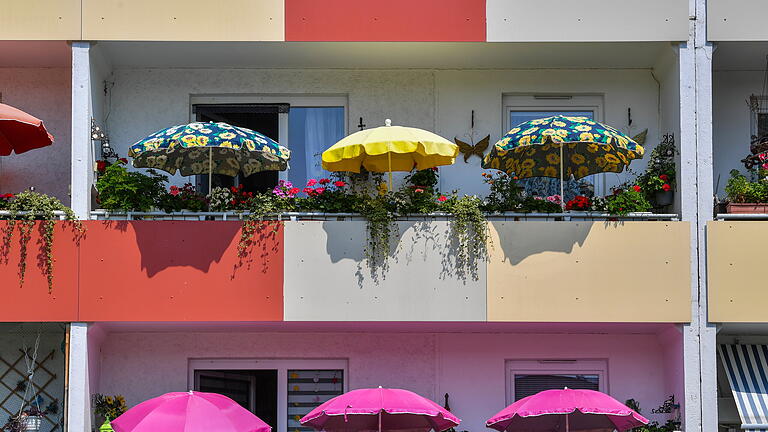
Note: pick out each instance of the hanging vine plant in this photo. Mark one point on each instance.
(470, 229)
(26, 210)
(381, 227)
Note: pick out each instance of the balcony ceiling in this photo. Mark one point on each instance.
(382, 55)
(746, 56)
(29, 54)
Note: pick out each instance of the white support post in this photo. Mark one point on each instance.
(705, 199)
(82, 153)
(78, 392)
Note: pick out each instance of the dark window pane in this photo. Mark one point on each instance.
(527, 385)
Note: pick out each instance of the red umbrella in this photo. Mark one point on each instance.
(20, 132)
(566, 411)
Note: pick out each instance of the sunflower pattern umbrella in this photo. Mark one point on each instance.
(209, 148)
(561, 147)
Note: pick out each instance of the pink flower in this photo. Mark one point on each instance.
(311, 182)
(174, 190)
(418, 190)
(320, 190)
(554, 199)
(324, 181)
(308, 190)
(442, 198)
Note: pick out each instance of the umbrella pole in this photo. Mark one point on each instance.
(389, 161)
(210, 169)
(380, 418)
(567, 426)
(562, 189)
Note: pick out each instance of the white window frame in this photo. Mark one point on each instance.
(597, 367)
(294, 100)
(281, 365)
(555, 104)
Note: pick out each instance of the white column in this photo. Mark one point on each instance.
(78, 392)
(705, 189)
(82, 148)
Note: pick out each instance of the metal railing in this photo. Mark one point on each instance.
(299, 216)
(5, 214)
(741, 216)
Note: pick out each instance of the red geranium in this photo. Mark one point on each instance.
(101, 165)
(311, 182)
(636, 188)
(418, 190)
(308, 190)
(324, 181)
(174, 190)
(339, 184)
(664, 177)
(294, 191)
(579, 202)
(666, 187)
(319, 190)
(123, 160)
(442, 198)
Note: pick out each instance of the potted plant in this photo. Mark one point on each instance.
(746, 195)
(658, 180)
(108, 408)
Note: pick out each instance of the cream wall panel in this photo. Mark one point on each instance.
(39, 19)
(735, 260)
(327, 278)
(587, 20)
(589, 272)
(180, 20)
(742, 20)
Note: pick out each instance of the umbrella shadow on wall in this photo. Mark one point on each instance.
(181, 244)
(344, 242)
(520, 240)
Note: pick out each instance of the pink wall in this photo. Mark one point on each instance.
(468, 366)
(46, 94)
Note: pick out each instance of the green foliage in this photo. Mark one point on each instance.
(505, 193)
(381, 225)
(425, 179)
(625, 201)
(469, 228)
(741, 189)
(670, 425)
(25, 209)
(660, 174)
(121, 190)
(182, 198)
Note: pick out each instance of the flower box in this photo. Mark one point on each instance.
(747, 208)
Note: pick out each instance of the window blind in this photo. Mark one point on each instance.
(527, 385)
(307, 389)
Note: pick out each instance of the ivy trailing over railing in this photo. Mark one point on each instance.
(27, 209)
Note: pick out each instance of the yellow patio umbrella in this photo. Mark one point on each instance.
(389, 148)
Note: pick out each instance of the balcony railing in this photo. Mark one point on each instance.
(298, 216)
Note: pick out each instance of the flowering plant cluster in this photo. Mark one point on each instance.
(660, 183)
(109, 407)
(182, 198)
(627, 200)
(102, 165)
(5, 199)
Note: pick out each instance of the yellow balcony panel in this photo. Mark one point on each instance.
(735, 263)
(39, 19)
(589, 272)
(742, 20)
(184, 20)
(587, 20)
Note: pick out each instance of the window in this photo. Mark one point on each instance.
(280, 392)
(759, 120)
(528, 377)
(523, 108)
(307, 125)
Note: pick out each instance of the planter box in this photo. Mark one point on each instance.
(747, 208)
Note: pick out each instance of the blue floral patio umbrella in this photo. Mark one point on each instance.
(562, 147)
(209, 148)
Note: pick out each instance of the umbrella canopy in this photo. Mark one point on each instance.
(380, 409)
(189, 412)
(390, 148)
(21, 132)
(566, 410)
(535, 148)
(205, 148)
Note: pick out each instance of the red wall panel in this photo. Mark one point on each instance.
(33, 301)
(179, 271)
(391, 20)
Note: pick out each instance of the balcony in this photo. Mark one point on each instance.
(313, 270)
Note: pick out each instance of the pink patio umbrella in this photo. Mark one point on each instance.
(189, 412)
(566, 410)
(380, 409)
